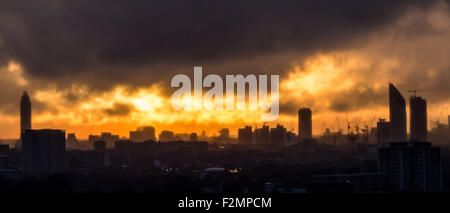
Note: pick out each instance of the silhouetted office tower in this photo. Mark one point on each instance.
(412, 166)
(25, 112)
(304, 124)
(245, 135)
(143, 134)
(262, 135)
(418, 118)
(383, 132)
(278, 135)
(397, 115)
(43, 151)
(166, 136)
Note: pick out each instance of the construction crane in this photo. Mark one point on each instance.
(414, 91)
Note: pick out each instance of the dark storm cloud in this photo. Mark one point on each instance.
(54, 38)
(119, 109)
(358, 98)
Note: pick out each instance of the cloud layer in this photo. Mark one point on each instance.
(333, 56)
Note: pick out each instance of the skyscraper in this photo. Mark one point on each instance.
(383, 132)
(418, 118)
(43, 151)
(25, 112)
(412, 166)
(304, 124)
(397, 114)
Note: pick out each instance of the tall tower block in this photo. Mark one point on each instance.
(397, 114)
(25, 113)
(304, 124)
(418, 118)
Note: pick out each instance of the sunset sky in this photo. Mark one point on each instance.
(106, 66)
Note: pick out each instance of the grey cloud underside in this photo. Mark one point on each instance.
(119, 109)
(56, 38)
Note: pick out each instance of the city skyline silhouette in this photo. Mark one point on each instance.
(197, 101)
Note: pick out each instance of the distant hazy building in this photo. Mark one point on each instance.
(397, 114)
(166, 136)
(304, 124)
(245, 135)
(71, 138)
(93, 138)
(203, 136)
(109, 138)
(224, 136)
(418, 118)
(143, 134)
(25, 112)
(383, 132)
(181, 137)
(412, 166)
(278, 135)
(262, 135)
(43, 151)
(291, 137)
(193, 137)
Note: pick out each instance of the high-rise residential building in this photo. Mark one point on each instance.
(278, 135)
(43, 151)
(397, 114)
(412, 166)
(25, 112)
(304, 124)
(418, 118)
(245, 135)
(383, 132)
(262, 135)
(143, 134)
